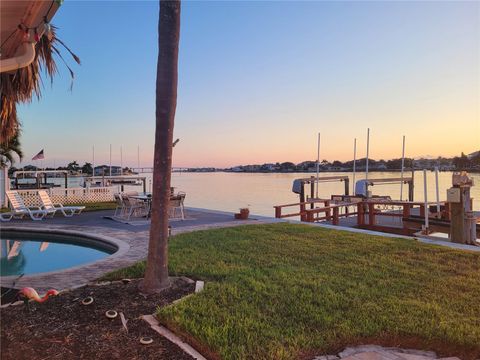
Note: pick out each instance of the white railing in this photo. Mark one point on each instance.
(70, 195)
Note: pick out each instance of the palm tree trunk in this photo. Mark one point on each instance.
(156, 273)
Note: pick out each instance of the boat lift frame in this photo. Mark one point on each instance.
(37, 174)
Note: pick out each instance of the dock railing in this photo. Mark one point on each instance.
(368, 212)
(302, 208)
(331, 208)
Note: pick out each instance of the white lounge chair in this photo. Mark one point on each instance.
(6, 216)
(19, 210)
(51, 208)
(120, 208)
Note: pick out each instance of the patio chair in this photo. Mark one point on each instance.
(134, 207)
(19, 210)
(120, 208)
(176, 203)
(51, 208)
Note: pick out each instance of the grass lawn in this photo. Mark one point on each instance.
(97, 206)
(285, 291)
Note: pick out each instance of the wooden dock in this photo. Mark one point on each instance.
(378, 214)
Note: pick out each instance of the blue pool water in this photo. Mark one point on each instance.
(31, 253)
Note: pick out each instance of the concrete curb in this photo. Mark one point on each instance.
(155, 325)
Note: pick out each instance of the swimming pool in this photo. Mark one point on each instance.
(31, 253)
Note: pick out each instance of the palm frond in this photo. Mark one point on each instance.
(21, 85)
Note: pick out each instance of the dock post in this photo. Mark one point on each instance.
(278, 212)
(406, 214)
(312, 191)
(371, 214)
(360, 214)
(347, 186)
(328, 213)
(302, 203)
(335, 216)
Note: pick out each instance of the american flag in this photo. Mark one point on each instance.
(39, 156)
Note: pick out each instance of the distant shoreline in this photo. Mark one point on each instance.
(199, 170)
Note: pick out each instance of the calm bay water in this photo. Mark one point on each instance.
(261, 191)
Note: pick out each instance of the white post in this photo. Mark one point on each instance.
(354, 164)
(110, 160)
(121, 160)
(366, 161)
(93, 162)
(318, 163)
(138, 158)
(6, 186)
(401, 174)
(425, 200)
(437, 190)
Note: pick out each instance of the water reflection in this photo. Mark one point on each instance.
(35, 253)
(12, 261)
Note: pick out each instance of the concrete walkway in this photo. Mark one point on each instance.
(132, 243)
(374, 352)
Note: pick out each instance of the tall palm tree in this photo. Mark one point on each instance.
(156, 273)
(8, 150)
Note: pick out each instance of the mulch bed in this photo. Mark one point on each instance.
(63, 328)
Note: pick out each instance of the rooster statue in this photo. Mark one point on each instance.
(29, 293)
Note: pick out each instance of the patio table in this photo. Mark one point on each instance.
(147, 198)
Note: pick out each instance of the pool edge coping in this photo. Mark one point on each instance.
(122, 250)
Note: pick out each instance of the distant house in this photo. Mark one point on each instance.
(473, 155)
(104, 170)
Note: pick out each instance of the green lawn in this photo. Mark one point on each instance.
(97, 206)
(285, 291)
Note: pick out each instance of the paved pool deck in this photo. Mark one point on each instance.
(131, 240)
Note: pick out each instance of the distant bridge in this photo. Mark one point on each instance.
(142, 170)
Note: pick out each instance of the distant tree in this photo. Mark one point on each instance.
(87, 168)
(287, 166)
(475, 160)
(73, 166)
(337, 163)
(8, 150)
(462, 162)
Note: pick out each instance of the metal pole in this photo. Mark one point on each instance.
(401, 174)
(121, 161)
(318, 163)
(437, 190)
(138, 157)
(93, 162)
(425, 200)
(110, 160)
(354, 163)
(366, 159)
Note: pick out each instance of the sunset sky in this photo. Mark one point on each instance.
(258, 80)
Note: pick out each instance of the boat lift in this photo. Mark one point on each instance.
(38, 175)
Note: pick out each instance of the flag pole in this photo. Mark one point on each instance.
(93, 163)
